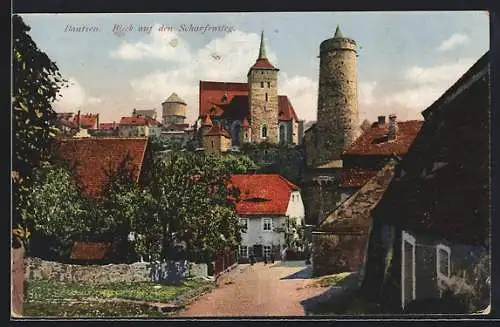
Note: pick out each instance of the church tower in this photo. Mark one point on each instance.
(337, 121)
(263, 98)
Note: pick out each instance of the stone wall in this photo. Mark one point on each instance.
(37, 269)
(336, 253)
(263, 112)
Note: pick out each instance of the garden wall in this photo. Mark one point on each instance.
(165, 272)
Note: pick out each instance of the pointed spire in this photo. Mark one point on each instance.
(338, 32)
(262, 49)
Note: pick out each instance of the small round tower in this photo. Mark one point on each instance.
(337, 121)
(174, 110)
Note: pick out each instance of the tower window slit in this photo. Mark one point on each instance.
(262, 84)
(266, 97)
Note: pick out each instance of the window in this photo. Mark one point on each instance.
(268, 85)
(243, 251)
(244, 223)
(266, 97)
(262, 84)
(266, 224)
(212, 144)
(267, 250)
(443, 269)
(263, 132)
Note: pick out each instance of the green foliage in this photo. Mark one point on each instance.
(52, 298)
(53, 206)
(294, 234)
(191, 199)
(36, 83)
(286, 160)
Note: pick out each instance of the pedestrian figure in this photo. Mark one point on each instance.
(265, 259)
(272, 258)
(252, 260)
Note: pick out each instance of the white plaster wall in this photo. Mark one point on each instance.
(256, 235)
(296, 207)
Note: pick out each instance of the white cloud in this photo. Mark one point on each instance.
(165, 45)
(453, 42)
(227, 58)
(365, 92)
(438, 74)
(74, 97)
(303, 94)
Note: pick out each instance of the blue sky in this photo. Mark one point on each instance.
(406, 59)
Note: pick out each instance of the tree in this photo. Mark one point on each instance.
(54, 210)
(191, 200)
(36, 84)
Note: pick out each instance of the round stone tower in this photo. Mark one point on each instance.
(174, 110)
(337, 121)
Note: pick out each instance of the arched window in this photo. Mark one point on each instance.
(212, 144)
(263, 132)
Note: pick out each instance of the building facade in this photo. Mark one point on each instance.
(267, 204)
(251, 112)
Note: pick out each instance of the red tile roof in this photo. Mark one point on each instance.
(89, 251)
(93, 157)
(355, 177)
(212, 92)
(218, 130)
(134, 121)
(263, 63)
(367, 143)
(286, 111)
(207, 121)
(236, 105)
(262, 194)
(86, 120)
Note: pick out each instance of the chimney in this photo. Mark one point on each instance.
(381, 120)
(392, 128)
(97, 121)
(78, 120)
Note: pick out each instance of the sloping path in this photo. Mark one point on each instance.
(258, 290)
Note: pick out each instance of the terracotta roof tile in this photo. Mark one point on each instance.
(262, 194)
(93, 157)
(86, 120)
(263, 63)
(135, 121)
(354, 214)
(236, 104)
(218, 130)
(355, 177)
(368, 143)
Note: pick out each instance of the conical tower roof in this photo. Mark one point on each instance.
(262, 62)
(207, 121)
(174, 98)
(338, 33)
(262, 48)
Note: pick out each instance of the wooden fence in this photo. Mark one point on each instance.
(224, 260)
(17, 281)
